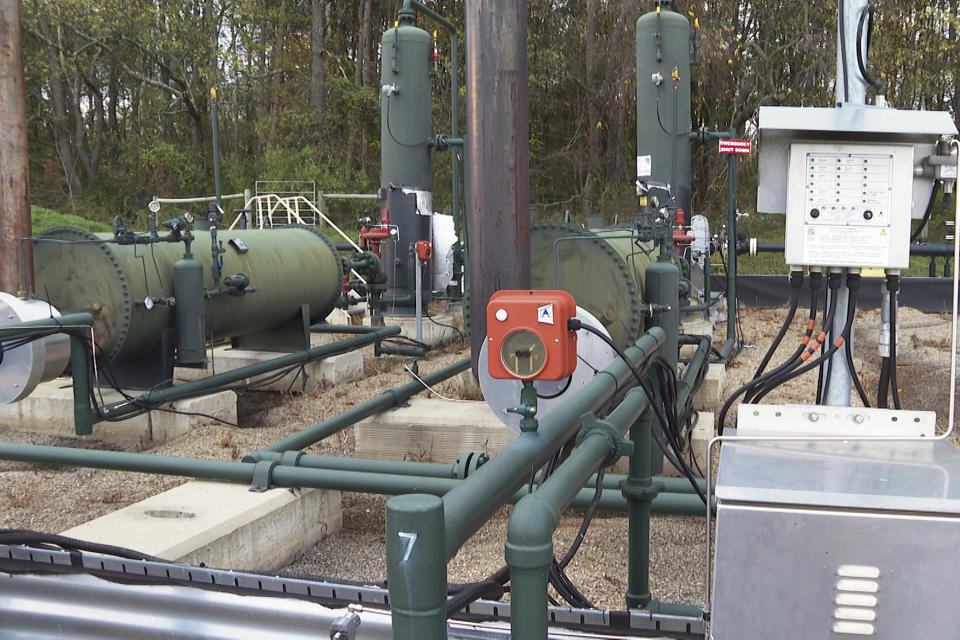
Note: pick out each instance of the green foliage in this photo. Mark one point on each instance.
(119, 94)
(44, 219)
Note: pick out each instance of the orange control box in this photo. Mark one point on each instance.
(528, 337)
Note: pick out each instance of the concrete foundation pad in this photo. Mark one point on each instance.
(438, 431)
(345, 367)
(49, 410)
(431, 430)
(221, 525)
(439, 325)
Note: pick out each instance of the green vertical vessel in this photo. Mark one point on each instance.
(663, 100)
(405, 105)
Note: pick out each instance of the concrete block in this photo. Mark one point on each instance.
(697, 327)
(221, 525)
(703, 432)
(352, 315)
(431, 430)
(337, 369)
(710, 395)
(441, 326)
(49, 410)
(167, 426)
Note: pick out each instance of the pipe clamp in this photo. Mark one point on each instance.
(263, 475)
(619, 446)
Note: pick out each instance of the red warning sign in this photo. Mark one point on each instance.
(735, 147)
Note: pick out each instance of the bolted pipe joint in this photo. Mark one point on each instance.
(617, 444)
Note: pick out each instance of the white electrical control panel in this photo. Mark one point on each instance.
(848, 205)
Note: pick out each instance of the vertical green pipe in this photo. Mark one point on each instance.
(529, 546)
(416, 573)
(83, 415)
(728, 347)
(639, 491)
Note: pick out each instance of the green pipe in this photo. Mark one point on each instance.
(422, 469)
(387, 400)
(280, 475)
(353, 329)
(639, 491)
(211, 383)
(83, 414)
(686, 383)
(529, 546)
(474, 500)
(31, 327)
(707, 291)
(385, 483)
(419, 352)
(727, 351)
(416, 575)
(610, 500)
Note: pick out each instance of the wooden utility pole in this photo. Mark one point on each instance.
(14, 161)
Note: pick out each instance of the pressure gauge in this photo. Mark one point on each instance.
(523, 353)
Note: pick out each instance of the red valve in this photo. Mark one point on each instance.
(424, 250)
(681, 239)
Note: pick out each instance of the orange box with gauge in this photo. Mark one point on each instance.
(528, 337)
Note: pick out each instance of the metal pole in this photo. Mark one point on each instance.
(850, 87)
(498, 189)
(419, 279)
(838, 393)
(216, 147)
(16, 270)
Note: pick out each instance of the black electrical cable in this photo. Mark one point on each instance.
(865, 13)
(659, 408)
(27, 538)
(853, 283)
(816, 281)
(796, 284)
(843, 57)
(828, 352)
(587, 518)
(558, 393)
(833, 285)
(926, 214)
(485, 588)
(893, 285)
(884, 384)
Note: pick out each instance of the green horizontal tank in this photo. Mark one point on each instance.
(80, 271)
(405, 105)
(602, 269)
(663, 100)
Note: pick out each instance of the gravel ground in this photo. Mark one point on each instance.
(47, 498)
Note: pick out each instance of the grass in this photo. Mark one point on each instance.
(44, 219)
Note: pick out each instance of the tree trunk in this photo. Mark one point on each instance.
(58, 92)
(593, 128)
(317, 49)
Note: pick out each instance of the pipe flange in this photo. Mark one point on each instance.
(618, 445)
(121, 324)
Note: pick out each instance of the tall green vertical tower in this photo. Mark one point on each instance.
(405, 170)
(663, 101)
